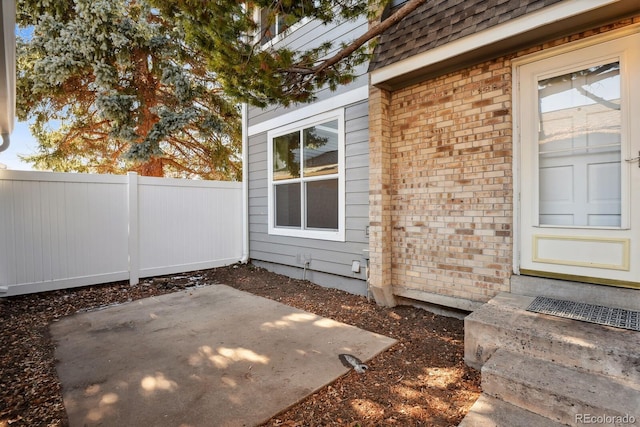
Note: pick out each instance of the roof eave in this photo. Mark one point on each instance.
(545, 24)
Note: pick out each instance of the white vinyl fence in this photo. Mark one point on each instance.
(60, 230)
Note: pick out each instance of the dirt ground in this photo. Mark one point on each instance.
(421, 381)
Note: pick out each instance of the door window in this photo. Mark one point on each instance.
(579, 147)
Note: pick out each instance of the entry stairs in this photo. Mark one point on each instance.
(540, 370)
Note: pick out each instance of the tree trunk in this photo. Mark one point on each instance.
(152, 167)
(147, 86)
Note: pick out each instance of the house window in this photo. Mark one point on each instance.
(306, 178)
(272, 26)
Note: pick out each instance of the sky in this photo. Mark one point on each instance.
(22, 142)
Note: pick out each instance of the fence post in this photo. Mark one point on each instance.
(134, 246)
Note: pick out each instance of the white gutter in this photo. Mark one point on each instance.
(7, 77)
(6, 141)
(7, 71)
(245, 184)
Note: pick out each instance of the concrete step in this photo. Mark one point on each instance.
(504, 323)
(557, 392)
(491, 412)
(561, 289)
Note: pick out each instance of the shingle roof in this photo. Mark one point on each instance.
(438, 22)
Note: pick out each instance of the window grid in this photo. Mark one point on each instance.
(310, 157)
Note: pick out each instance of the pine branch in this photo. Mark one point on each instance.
(375, 30)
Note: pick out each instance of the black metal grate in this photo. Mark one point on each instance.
(617, 317)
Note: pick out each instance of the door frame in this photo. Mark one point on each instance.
(517, 110)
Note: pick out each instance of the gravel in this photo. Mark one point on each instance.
(420, 381)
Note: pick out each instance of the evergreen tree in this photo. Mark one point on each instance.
(112, 86)
(232, 35)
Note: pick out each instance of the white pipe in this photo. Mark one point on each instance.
(245, 184)
(7, 70)
(5, 142)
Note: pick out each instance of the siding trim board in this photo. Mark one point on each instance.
(328, 280)
(351, 97)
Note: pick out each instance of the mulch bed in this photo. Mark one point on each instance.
(420, 381)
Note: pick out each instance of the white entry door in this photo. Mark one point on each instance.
(579, 140)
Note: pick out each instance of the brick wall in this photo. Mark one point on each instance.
(451, 183)
(380, 202)
(448, 144)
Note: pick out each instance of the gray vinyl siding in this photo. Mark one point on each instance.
(308, 36)
(325, 256)
(333, 258)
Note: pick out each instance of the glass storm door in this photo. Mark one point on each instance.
(580, 172)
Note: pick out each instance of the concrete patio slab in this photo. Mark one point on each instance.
(211, 356)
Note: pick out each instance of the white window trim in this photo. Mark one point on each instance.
(278, 37)
(334, 235)
(614, 50)
(284, 34)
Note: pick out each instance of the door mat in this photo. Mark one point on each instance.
(617, 317)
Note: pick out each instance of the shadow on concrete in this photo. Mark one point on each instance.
(201, 357)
